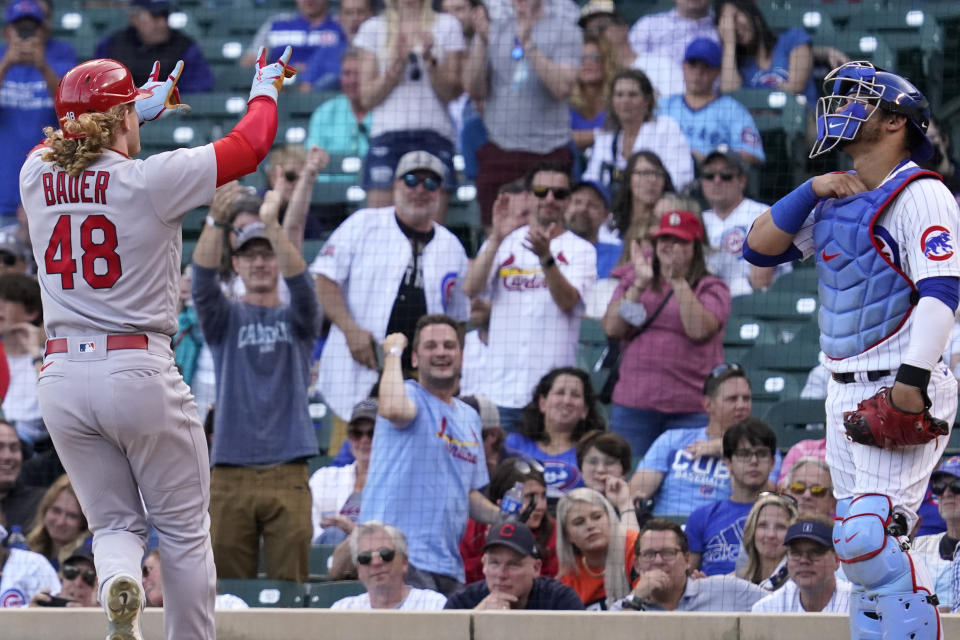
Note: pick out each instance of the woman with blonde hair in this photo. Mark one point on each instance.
(587, 101)
(762, 548)
(59, 526)
(595, 549)
(410, 64)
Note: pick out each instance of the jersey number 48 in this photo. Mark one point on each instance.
(61, 243)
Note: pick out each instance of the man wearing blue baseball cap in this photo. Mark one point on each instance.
(30, 68)
(936, 553)
(586, 214)
(812, 565)
(708, 119)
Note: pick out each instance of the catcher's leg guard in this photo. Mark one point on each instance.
(864, 620)
(874, 560)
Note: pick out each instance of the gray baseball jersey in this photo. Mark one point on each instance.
(107, 243)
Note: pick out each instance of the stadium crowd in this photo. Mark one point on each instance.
(481, 465)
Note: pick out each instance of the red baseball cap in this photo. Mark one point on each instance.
(681, 224)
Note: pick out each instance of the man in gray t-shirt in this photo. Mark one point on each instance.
(523, 63)
(661, 561)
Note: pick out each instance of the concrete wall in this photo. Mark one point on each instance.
(319, 624)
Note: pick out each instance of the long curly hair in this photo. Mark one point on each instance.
(73, 155)
(533, 427)
(39, 539)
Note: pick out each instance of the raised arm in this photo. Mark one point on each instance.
(799, 68)
(564, 294)
(476, 72)
(394, 403)
(557, 77)
(770, 239)
(445, 77)
(502, 225)
(295, 218)
(242, 150)
(289, 258)
(376, 86)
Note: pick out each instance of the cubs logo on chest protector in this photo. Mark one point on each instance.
(864, 295)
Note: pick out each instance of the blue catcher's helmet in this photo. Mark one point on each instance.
(850, 88)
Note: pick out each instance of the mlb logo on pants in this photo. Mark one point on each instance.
(86, 347)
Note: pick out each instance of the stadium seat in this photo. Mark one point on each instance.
(773, 384)
(323, 594)
(802, 279)
(260, 592)
(776, 305)
(773, 109)
(746, 331)
(320, 556)
(916, 38)
(797, 356)
(789, 419)
(861, 45)
(781, 17)
(592, 350)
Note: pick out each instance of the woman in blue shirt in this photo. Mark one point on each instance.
(563, 408)
(754, 58)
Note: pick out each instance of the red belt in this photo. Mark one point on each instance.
(132, 341)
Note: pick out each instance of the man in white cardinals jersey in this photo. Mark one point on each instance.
(883, 237)
(106, 236)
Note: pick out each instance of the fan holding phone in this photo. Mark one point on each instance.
(78, 583)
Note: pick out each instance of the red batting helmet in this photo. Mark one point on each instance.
(94, 87)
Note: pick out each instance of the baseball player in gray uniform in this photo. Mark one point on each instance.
(883, 240)
(106, 236)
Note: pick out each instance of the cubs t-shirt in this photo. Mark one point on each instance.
(688, 482)
(559, 470)
(715, 532)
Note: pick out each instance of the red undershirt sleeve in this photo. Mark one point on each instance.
(244, 148)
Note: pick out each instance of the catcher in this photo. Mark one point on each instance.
(882, 237)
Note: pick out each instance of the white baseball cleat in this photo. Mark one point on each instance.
(123, 603)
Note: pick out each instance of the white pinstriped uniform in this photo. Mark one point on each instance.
(901, 474)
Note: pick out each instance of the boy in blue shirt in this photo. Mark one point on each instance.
(716, 531)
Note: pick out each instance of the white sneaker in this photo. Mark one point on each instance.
(123, 603)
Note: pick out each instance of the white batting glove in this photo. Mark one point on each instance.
(165, 100)
(269, 77)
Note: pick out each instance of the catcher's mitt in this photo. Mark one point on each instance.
(878, 423)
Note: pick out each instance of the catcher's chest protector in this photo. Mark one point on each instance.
(864, 295)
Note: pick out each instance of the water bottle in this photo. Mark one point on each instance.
(16, 539)
(512, 502)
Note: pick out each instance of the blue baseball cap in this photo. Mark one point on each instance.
(704, 50)
(600, 190)
(25, 9)
(949, 467)
(810, 530)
